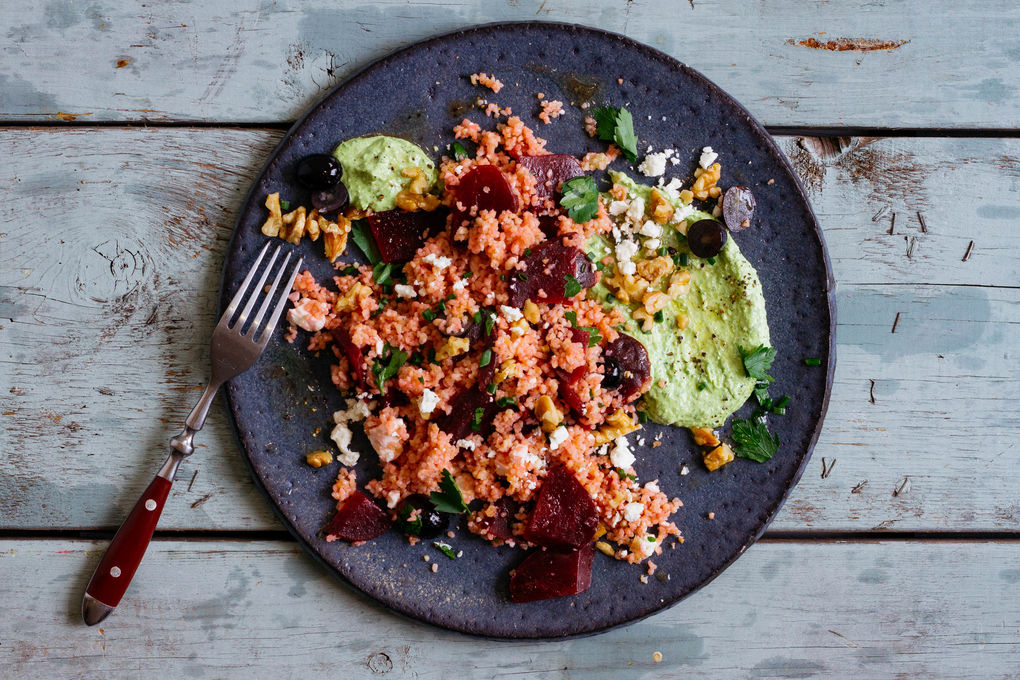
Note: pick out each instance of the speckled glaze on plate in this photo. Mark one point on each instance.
(281, 407)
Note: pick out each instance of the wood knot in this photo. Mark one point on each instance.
(380, 663)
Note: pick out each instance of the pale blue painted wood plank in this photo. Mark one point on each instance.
(784, 610)
(129, 336)
(956, 64)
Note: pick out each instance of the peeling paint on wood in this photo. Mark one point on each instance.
(849, 44)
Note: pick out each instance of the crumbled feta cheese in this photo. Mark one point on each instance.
(441, 262)
(684, 470)
(530, 460)
(636, 210)
(517, 329)
(707, 157)
(387, 443)
(466, 444)
(627, 268)
(632, 511)
(621, 455)
(511, 314)
(460, 285)
(557, 437)
(682, 213)
(308, 314)
(652, 244)
(654, 164)
(625, 250)
(341, 436)
(643, 546)
(405, 291)
(618, 208)
(650, 228)
(652, 485)
(674, 185)
(392, 498)
(379, 346)
(427, 402)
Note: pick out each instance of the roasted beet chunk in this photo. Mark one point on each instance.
(573, 387)
(498, 526)
(471, 412)
(353, 354)
(632, 367)
(565, 516)
(485, 186)
(357, 519)
(551, 171)
(546, 269)
(400, 234)
(545, 574)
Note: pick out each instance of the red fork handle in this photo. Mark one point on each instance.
(113, 575)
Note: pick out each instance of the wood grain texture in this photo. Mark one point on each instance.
(858, 63)
(112, 243)
(920, 610)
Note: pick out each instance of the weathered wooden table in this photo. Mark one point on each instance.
(132, 131)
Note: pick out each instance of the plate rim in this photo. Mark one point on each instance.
(830, 296)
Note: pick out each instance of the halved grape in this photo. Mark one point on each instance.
(737, 208)
(330, 200)
(318, 171)
(706, 238)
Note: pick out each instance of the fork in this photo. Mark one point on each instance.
(234, 350)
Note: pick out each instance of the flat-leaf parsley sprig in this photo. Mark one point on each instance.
(580, 198)
(616, 125)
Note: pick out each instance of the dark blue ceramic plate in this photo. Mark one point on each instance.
(282, 406)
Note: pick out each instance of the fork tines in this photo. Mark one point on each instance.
(252, 293)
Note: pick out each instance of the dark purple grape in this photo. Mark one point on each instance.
(632, 358)
(330, 200)
(738, 208)
(318, 171)
(432, 521)
(706, 238)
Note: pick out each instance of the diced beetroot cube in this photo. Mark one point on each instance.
(565, 516)
(545, 574)
(471, 412)
(357, 519)
(546, 269)
(551, 171)
(634, 366)
(400, 234)
(486, 187)
(580, 335)
(353, 354)
(499, 525)
(573, 387)
(550, 225)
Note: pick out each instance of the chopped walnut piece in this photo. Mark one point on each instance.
(679, 284)
(334, 237)
(617, 425)
(452, 347)
(704, 436)
(705, 181)
(294, 225)
(654, 269)
(549, 417)
(319, 458)
(660, 208)
(414, 197)
(718, 457)
(274, 222)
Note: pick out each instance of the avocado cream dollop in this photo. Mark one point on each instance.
(698, 376)
(374, 166)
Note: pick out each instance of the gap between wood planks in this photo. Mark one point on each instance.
(805, 536)
(775, 130)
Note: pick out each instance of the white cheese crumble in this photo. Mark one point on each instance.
(618, 208)
(441, 262)
(636, 210)
(308, 314)
(524, 454)
(466, 444)
(427, 402)
(405, 291)
(650, 228)
(341, 434)
(632, 511)
(652, 485)
(654, 164)
(652, 244)
(511, 314)
(707, 157)
(684, 470)
(557, 437)
(621, 455)
(392, 498)
(460, 285)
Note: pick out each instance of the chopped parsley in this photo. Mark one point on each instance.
(617, 125)
(349, 270)
(593, 333)
(448, 498)
(466, 275)
(506, 402)
(490, 321)
(387, 366)
(710, 260)
(658, 316)
(446, 549)
(642, 417)
(757, 362)
(284, 205)
(458, 151)
(753, 440)
(491, 389)
(382, 272)
(476, 419)
(404, 522)
(580, 198)
(571, 286)
(362, 237)
(485, 360)
(428, 315)
(624, 475)
(701, 386)
(812, 361)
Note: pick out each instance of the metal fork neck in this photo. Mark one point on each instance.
(196, 419)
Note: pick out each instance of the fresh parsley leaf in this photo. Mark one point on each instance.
(702, 386)
(428, 315)
(485, 359)
(758, 361)
(476, 419)
(616, 125)
(624, 474)
(448, 498)
(571, 316)
(404, 522)
(753, 440)
(761, 391)
(382, 272)
(458, 150)
(446, 549)
(362, 237)
(349, 270)
(387, 366)
(580, 198)
(285, 206)
(571, 286)
(642, 417)
(477, 316)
